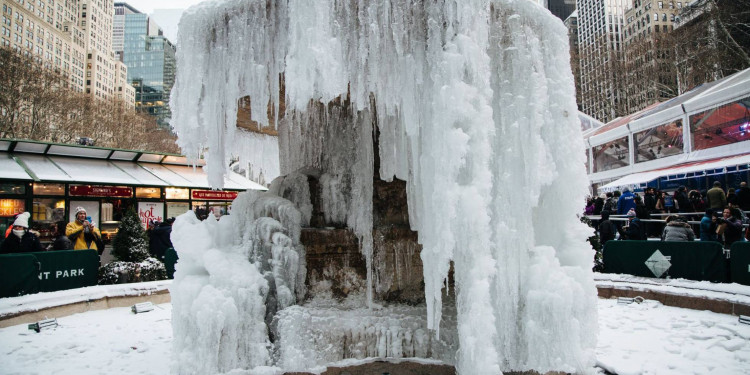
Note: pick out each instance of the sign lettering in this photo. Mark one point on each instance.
(214, 195)
(100, 191)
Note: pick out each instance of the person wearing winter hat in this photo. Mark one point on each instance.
(633, 231)
(83, 233)
(21, 240)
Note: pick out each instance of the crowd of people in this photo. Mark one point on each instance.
(721, 214)
(79, 234)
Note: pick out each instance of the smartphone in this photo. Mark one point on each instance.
(89, 219)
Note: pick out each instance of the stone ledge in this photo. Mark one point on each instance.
(108, 302)
(716, 305)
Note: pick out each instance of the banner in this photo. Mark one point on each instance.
(67, 269)
(739, 263)
(101, 191)
(18, 275)
(695, 260)
(150, 211)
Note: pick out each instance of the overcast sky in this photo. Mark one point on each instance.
(166, 13)
(148, 6)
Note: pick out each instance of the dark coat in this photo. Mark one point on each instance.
(607, 231)
(683, 202)
(733, 231)
(62, 243)
(650, 202)
(743, 198)
(717, 200)
(159, 241)
(708, 229)
(634, 231)
(27, 244)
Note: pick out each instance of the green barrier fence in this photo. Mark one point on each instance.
(170, 259)
(19, 275)
(53, 270)
(739, 263)
(697, 260)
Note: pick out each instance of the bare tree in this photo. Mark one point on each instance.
(36, 103)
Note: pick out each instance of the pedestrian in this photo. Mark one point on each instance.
(610, 204)
(731, 196)
(743, 197)
(699, 205)
(633, 231)
(61, 242)
(730, 227)
(669, 203)
(607, 229)
(715, 198)
(159, 239)
(677, 229)
(682, 200)
(649, 200)
(20, 239)
(626, 202)
(83, 233)
(599, 204)
(708, 226)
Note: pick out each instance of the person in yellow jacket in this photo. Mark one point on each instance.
(83, 233)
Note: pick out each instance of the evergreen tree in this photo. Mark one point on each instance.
(130, 244)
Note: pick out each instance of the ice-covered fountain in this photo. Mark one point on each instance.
(471, 103)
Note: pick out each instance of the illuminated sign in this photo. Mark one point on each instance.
(101, 191)
(214, 195)
(10, 207)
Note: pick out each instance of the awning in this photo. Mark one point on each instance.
(709, 167)
(49, 167)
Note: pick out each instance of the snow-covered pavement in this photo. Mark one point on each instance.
(633, 339)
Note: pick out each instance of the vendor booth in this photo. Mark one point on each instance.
(51, 180)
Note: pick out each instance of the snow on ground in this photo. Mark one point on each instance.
(646, 339)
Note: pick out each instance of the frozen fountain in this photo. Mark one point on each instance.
(467, 107)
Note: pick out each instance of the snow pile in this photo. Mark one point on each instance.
(474, 106)
(232, 276)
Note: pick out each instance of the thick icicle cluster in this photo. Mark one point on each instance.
(474, 105)
(232, 277)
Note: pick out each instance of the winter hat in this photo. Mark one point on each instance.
(22, 220)
(80, 209)
(631, 213)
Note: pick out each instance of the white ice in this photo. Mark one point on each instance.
(474, 104)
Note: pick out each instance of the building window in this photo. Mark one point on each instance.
(611, 155)
(721, 126)
(658, 142)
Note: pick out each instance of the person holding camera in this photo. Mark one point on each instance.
(83, 232)
(729, 227)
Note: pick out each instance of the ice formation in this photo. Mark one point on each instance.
(473, 104)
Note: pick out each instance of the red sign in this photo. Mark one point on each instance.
(10, 207)
(101, 191)
(214, 195)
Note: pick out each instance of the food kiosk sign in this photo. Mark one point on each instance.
(10, 207)
(101, 191)
(214, 195)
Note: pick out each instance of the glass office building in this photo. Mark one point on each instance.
(150, 59)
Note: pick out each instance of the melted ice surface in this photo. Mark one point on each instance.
(474, 104)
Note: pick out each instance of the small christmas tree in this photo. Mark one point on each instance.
(130, 244)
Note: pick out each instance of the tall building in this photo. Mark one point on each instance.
(150, 59)
(571, 23)
(601, 42)
(649, 53)
(124, 91)
(96, 23)
(561, 8)
(48, 31)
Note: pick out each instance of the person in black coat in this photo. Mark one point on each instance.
(607, 229)
(20, 239)
(159, 239)
(62, 242)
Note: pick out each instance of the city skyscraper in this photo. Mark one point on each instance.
(47, 31)
(601, 25)
(561, 8)
(150, 59)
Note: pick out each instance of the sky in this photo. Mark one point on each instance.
(166, 13)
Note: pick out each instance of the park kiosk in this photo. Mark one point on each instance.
(50, 180)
